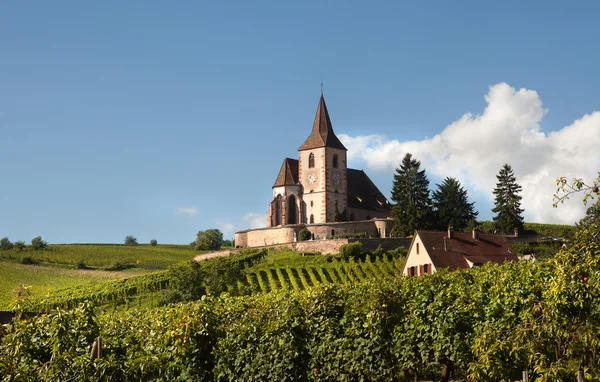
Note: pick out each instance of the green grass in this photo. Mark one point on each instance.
(44, 280)
(106, 255)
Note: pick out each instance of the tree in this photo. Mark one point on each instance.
(130, 240)
(37, 243)
(339, 216)
(508, 201)
(211, 239)
(304, 234)
(20, 245)
(153, 242)
(5, 243)
(410, 192)
(451, 205)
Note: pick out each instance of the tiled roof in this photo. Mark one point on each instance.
(363, 193)
(288, 175)
(463, 247)
(322, 134)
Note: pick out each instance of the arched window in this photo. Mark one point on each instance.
(292, 210)
(352, 217)
(335, 161)
(311, 160)
(312, 219)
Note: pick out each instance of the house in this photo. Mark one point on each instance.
(432, 250)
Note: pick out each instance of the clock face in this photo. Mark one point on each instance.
(336, 178)
(312, 178)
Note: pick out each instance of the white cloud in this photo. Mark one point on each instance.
(254, 220)
(474, 148)
(189, 211)
(226, 228)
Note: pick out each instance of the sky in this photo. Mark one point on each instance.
(159, 119)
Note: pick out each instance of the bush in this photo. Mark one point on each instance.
(19, 245)
(37, 243)
(153, 242)
(304, 234)
(81, 265)
(130, 240)
(28, 260)
(351, 251)
(5, 243)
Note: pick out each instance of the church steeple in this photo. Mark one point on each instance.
(322, 134)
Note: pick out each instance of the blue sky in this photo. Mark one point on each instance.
(121, 118)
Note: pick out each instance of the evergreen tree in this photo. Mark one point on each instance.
(451, 206)
(410, 192)
(508, 201)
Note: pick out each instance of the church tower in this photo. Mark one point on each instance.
(322, 171)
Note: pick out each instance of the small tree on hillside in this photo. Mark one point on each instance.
(452, 207)
(211, 239)
(153, 242)
(5, 243)
(508, 201)
(37, 243)
(20, 245)
(410, 192)
(339, 216)
(130, 240)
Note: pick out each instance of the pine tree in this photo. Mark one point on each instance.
(451, 206)
(410, 192)
(508, 201)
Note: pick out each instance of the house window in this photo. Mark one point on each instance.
(312, 219)
(311, 203)
(335, 161)
(426, 268)
(417, 248)
(412, 271)
(311, 160)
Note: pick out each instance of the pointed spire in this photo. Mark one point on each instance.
(322, 134)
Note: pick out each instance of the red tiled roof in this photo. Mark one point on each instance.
(288, 174)
(463, 247)
(322, 134)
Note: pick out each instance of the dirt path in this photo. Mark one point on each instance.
(224, 252)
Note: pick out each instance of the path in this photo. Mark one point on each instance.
(209, 255)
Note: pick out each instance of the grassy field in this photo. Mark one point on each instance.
(56, 266)
(106, 255)
(44, 280)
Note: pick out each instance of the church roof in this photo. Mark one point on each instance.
(288, 175)
(363, 193)
(322, 134)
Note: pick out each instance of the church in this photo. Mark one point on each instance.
(318, 191)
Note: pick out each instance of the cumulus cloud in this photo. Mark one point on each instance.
(225, 227)
(474, 148)
(254, 220)
(189, 211)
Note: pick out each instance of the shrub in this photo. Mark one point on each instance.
(304, 234)
(19, 245)
(351, 251)
(130, 240)
(5, 243)
(81, 265)
(153, 242)
(37, 243)
(28, 260)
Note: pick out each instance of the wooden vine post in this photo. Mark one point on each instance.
(96, 349)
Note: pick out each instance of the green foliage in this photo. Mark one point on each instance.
(557, 230)
(507, 202)
(451, 206)
(210, 240)
(304, 234)
(28, 260)
(410, 192)
(37, 243)
(19, 245)
(153, 242)
(339, 216)
(227, 243)
(5, 244)
(351, 250)
(130, 240)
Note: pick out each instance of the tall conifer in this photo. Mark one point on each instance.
(410, 193)
(508, 201)
(451, 205)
